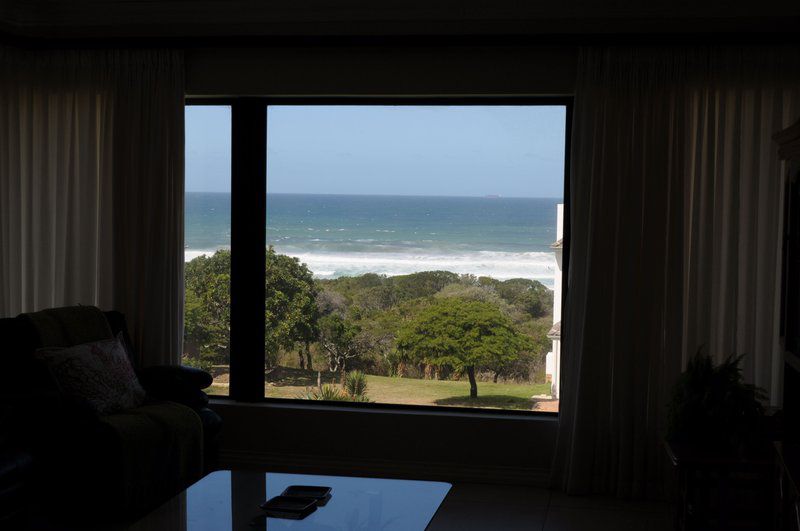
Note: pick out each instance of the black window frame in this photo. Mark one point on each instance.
(249, 201)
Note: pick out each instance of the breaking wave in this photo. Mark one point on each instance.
(501, 265)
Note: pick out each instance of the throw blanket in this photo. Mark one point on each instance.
(160, 451)
(69, 326)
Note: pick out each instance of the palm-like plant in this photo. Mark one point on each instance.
(331, 393)
(711, 405)
(327, 392)
(355, 383)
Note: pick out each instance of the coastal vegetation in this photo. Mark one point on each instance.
(349, 338)
(462, 335)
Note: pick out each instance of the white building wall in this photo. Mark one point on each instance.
(555, 383)
(553, 360)
(557, 282)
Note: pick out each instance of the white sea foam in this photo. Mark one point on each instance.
(191, 254)
(500, 265)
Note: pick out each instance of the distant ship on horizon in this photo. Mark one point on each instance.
(492, 196)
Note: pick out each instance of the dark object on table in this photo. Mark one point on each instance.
(321, 494)
(291, 507)
(115, 465)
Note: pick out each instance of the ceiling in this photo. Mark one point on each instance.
(202, 19)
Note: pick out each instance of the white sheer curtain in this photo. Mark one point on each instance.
(734, 223)
(91, 187)
(675, 223)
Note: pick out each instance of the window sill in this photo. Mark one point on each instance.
(387, 409)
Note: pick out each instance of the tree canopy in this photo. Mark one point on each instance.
(291, 307)
(208, 310)
(290, 301)
(528, 294)
(341, 341)
(433, 323)
(463, 335)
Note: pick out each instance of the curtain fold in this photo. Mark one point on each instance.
(91, 188)
(733, 238)
(675, 240)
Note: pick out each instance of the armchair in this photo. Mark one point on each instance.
(122, 463)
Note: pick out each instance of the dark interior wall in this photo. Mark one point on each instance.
(182, 19)
(482, 447)
(382, 70)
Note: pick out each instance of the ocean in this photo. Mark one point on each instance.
(348, 235)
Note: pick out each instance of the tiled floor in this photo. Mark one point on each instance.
(489, 507)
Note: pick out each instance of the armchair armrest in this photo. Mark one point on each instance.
(169, 374)
(177, 384)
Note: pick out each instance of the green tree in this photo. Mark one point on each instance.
(463, 335)
(421, 284)
(290, 298)
(529, 295)
(340, 339)
(291, 308)
(481, 293)
(207, 307)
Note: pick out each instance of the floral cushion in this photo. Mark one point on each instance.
(99, 373)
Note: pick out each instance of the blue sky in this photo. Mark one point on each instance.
(512, 151)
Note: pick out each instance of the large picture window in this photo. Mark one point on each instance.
(412, 252)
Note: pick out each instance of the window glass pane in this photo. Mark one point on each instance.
(414, 254)
(207, 240)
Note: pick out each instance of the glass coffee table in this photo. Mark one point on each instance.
(229, 500)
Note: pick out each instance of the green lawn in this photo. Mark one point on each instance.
(284, 382)
(452, 393)
(292, 383)
(217, 390)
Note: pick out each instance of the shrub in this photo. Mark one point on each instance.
(331, 393)
(355, 383)
(362, 398)
(197, 363)
(327, 392)
(712, 405)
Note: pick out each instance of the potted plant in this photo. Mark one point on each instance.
(712, 407)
